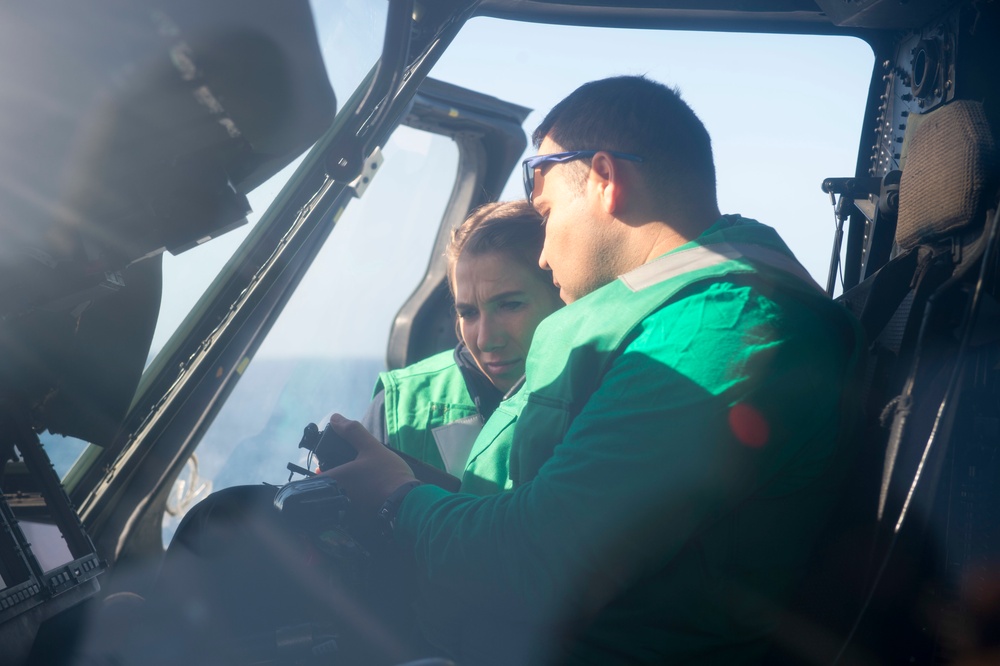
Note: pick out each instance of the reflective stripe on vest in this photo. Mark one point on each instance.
(454, 442)
(705, 256)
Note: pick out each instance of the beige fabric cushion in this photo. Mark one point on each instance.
(950, 165)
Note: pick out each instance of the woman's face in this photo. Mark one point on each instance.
(499, 302)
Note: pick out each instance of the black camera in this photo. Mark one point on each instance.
(312, 503)
(330, 449)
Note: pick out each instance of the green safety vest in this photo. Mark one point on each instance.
(589, 336)
(429, 413)
(573, 349)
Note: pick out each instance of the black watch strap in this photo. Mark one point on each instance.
(387, 513)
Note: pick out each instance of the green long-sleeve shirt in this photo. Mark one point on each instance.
(673, 450)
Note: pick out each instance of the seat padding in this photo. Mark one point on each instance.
(950, 161)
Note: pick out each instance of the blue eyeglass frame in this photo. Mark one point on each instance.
(529, 165)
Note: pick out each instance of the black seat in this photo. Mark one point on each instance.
(890, 567)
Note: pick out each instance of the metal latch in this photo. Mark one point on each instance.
(371, 165)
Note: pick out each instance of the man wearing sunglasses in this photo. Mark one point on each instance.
(680, 432)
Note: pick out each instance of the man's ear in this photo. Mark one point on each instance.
(608, 181)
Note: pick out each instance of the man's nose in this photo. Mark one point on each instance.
(543, 263)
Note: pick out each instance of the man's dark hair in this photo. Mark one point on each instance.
(633, 114)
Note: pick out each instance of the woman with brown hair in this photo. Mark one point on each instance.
(433, 409)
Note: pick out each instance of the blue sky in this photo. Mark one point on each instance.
(784, 112)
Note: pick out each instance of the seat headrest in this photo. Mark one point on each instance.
(951, 163)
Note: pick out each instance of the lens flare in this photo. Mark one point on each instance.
(749, 426)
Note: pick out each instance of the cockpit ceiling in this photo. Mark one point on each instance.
(785, 16)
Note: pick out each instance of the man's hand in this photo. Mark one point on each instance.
(376, 473)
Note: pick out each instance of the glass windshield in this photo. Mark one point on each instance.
(327, 347)
(350, 34)
(784, 111)
(325, 350)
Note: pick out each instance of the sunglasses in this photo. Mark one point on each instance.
(529, 165)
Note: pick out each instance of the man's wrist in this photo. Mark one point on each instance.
(390, 508)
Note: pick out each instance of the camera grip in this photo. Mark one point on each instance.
(330, 449)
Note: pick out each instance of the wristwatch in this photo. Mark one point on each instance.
(387, 513)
